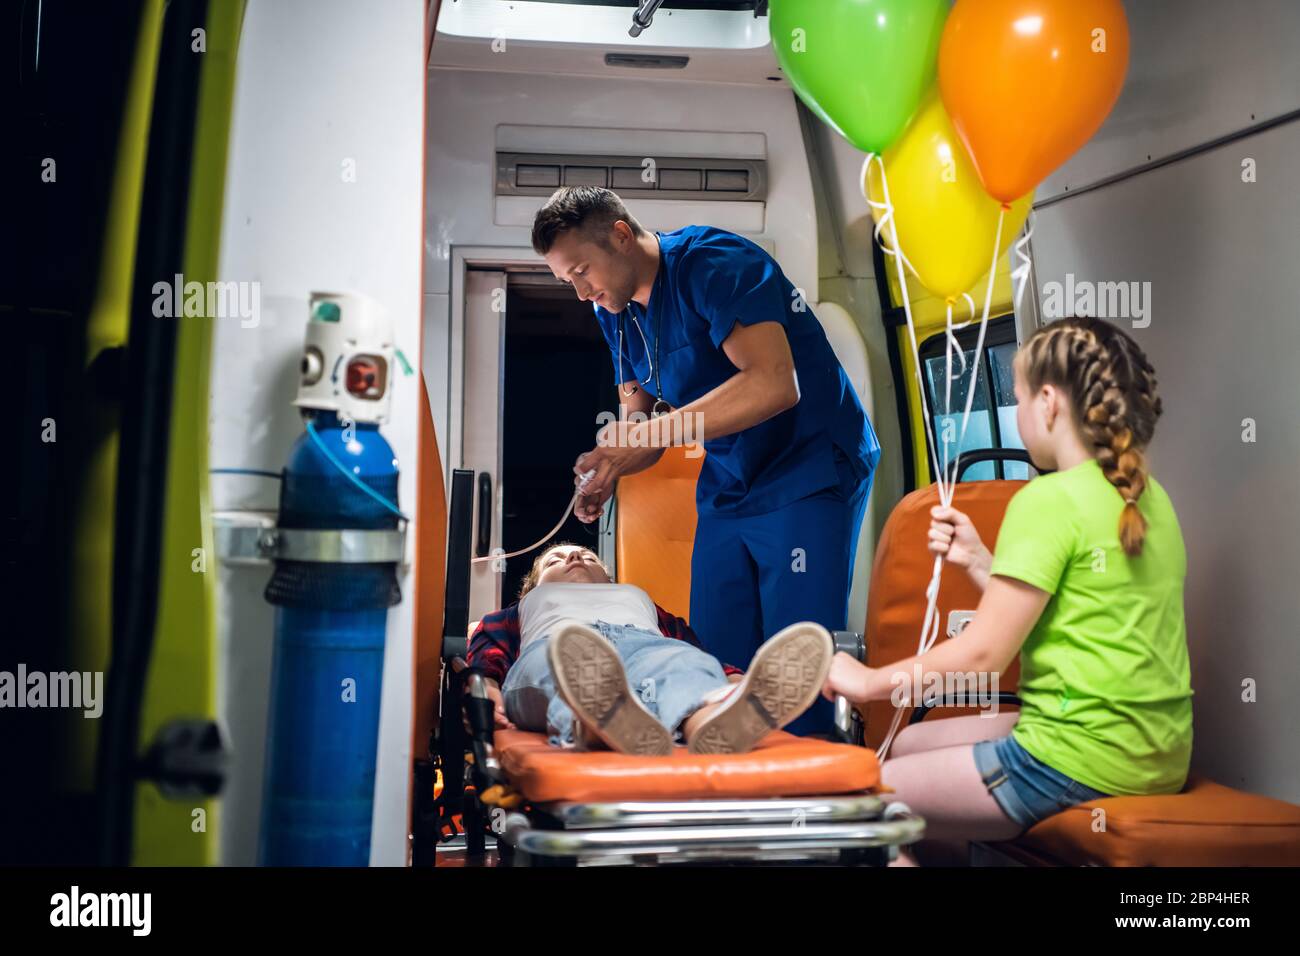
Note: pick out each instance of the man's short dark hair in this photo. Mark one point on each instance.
(593, 209)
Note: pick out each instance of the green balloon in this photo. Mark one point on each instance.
(861, 65)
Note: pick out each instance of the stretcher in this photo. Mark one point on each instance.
(790, 800)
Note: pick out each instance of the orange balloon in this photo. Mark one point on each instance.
(1027, 82)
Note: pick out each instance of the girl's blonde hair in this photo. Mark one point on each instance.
(1112, 390)
(530, 579)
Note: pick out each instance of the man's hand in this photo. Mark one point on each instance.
(620, 450)
(590, 508)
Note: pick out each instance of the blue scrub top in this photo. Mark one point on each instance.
(709, 280)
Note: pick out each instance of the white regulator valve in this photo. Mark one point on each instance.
(347, 360)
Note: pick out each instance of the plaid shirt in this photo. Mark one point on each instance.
(494, 645)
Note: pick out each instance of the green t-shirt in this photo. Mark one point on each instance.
(1104, 676)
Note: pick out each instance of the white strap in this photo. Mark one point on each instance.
(945, 479)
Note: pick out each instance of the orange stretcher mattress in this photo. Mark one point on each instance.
(782, 765)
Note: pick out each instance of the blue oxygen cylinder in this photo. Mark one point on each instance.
(327, 669)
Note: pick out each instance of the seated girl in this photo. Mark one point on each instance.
(575, 645)
(1086, 584)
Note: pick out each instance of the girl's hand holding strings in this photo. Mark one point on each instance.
(954, 538)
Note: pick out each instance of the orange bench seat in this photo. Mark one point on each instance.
(1207, 824)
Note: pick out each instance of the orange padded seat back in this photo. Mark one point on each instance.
(656, 529)
(900, 575)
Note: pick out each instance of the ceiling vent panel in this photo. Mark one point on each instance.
(645, 177)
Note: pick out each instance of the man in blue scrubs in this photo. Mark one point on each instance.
(709, 337)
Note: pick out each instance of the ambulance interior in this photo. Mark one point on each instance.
(398, 152)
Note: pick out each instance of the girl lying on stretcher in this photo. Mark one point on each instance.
(1086, 584)
(586, 660)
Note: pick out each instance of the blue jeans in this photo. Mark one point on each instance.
(1027, 789)
(754, 576)
(669, 676)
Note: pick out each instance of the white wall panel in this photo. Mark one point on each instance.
(294, 224)
(1220, 256)
(1199, 70)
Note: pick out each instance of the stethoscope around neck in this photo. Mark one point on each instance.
(660, 407)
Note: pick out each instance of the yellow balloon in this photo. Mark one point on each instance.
(945, 220)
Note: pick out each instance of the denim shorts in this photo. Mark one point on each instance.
(1027, 789)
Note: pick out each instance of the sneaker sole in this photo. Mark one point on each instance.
(785, 677)
(590, 679)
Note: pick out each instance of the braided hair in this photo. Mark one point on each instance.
(1112, 389)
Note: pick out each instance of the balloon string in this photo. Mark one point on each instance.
(945, 482)
(971, 303)
(979, 348)
(1020, 275)
(887, 215)
(950, 346)
(888, 218)
(930, 622)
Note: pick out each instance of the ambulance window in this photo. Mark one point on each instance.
(947, 425)
(993, 411)
(1004, 394)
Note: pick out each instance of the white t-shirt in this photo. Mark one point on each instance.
(543, 608)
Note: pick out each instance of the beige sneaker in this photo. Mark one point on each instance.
(784, 679)
(590, 679)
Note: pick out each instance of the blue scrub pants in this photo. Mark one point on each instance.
(752, 576)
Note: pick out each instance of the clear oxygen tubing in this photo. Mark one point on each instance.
(945, 479)
(582, 484)
(258, 472)
(329, 456)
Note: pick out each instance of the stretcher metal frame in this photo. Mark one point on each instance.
(843, 829)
